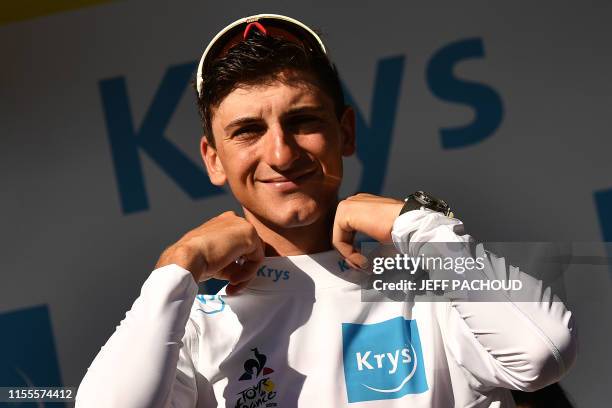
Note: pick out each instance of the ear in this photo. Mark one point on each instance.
(347, 126)
(211, 160)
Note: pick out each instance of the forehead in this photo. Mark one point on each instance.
(272, 97)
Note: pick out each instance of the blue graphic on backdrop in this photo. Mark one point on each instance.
(382, 360)
(603, 202)
(27, 352)
(126, 142)
(486, 103)
(374, 139)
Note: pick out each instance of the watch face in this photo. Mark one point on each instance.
(422, 197)
(429, 200)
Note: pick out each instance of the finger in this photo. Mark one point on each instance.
(362, 196)
(240, 276)
(249, 271)
(357, 261)
(360, 209)
(232, 289)
(253, 250)
(248, 268)
(343, 236)
(257, 254)
(245, 243)
(235, 273)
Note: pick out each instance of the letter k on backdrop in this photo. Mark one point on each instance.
(126, 142)
(374, 137)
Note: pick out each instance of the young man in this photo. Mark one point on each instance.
(290, 328)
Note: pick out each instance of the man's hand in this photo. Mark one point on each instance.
(366, 213)
(210, 251)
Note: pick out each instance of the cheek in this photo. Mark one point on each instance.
(326, 150)
(238, 163)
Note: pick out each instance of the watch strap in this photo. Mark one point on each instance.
(410, 204)
(421, 199)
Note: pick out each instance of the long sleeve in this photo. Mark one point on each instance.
(525, 343)
(147, 361)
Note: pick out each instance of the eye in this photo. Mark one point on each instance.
(302, 124)
(248, 131)
(305, 119)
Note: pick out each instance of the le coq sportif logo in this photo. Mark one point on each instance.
(382, 360)
(262, 392)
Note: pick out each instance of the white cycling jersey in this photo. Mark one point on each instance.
(301, 336)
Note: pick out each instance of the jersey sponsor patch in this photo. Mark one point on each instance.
(382, 360)
(261, 390)
(272, 273)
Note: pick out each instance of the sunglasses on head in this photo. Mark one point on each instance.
(267, 24)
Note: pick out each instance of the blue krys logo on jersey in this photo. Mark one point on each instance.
(382, 360)
(272, 273)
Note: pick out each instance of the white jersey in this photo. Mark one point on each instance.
(301, 336)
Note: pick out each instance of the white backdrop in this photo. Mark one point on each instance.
(528, 81)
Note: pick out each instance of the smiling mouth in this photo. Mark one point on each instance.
(291, 179)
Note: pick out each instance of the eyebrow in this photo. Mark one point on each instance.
(242, 121)
(247, 120)
(305, 109)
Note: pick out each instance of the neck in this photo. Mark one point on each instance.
(307, 239)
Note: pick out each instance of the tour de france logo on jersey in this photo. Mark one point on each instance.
(382, 360)
(261, 393)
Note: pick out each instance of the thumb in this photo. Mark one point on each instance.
(343, 236)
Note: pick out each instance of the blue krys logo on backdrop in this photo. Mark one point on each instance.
(374, 131)
(27, 352)
(382, 360)
(603, 202)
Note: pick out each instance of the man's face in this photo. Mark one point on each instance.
(279, 145)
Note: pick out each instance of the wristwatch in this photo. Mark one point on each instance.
(422, 199)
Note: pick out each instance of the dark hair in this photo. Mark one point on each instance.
(256, 60)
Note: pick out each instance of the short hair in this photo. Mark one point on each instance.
(259, 59)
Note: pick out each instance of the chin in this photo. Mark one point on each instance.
(295, 214)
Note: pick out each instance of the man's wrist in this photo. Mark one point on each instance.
(187, 258)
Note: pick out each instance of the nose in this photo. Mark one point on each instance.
(280, 149)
